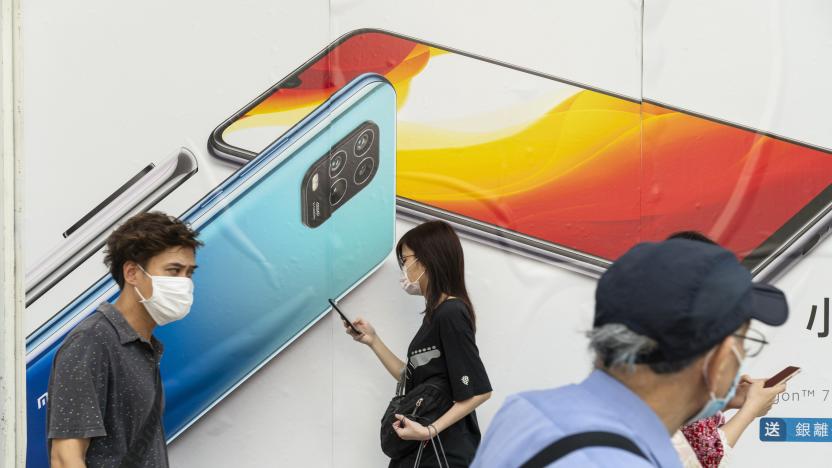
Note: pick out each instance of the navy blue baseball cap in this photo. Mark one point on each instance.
(686, 295)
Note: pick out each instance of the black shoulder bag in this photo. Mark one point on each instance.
(425, 403)
(134, 458)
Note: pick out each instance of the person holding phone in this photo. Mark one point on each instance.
(431, 260)
(708, 442)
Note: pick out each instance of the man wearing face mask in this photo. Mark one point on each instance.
(670, 336)
(105, 392)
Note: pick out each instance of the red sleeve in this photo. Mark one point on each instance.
(702, 435)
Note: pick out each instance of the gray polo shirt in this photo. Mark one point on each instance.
(102, 387)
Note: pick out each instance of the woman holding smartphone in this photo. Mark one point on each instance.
(431, 261)
(709, 442)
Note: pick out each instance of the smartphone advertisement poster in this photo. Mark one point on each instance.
(303, 140)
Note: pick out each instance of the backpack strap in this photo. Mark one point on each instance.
(566, 445)
(134, 458)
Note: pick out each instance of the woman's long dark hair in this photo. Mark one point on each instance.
(436, 246)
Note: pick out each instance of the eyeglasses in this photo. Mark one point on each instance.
(752, 342)
(402, 259)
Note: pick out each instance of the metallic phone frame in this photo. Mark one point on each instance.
(528, 246)
(90, 236)
(795, 247)
(771, 266)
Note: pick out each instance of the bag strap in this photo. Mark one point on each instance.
(134, 458)
(434, 437)
(566, 445)
(401, 385)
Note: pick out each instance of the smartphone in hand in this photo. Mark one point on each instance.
(344, 317)
(782, 376)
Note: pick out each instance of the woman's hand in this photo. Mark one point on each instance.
(742, 393)
(408, 429)
(367, 335)
(759, 400)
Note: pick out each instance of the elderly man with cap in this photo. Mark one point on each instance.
(670, 338)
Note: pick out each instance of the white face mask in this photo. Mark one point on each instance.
(171, 300)
(411, 287)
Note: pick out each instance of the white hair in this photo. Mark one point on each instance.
(615, 345)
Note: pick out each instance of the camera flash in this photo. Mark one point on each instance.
(315, 182)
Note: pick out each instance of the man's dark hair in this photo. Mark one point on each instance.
(692, 235)
(144, 236)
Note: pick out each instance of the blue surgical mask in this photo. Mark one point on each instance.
(714, 404)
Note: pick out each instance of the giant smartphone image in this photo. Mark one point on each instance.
(558, 169)
(280, 238)
(87, 236)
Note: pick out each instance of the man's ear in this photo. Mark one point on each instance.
(720, 359)
(130, 270)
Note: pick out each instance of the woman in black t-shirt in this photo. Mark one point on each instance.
(431, 259)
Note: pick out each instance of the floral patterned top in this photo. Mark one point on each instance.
(702, 443)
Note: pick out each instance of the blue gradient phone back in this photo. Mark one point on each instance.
(264, 276)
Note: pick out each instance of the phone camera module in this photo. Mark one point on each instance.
(339, 173)
(337, 191)
(364, 170)
(337, 163)
(363, 142)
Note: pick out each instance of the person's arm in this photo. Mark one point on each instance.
(757, 404)
(705, 441)
(76, 393)
(390, 361)
(735, 426)
(368, 336)
(459, 410)
(415, 431)
(69, 453)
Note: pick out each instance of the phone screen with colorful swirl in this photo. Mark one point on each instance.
(554, 162)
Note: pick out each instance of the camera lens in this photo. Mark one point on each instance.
(364, 170)
(363, 142)
(337, 191)
(337, 162)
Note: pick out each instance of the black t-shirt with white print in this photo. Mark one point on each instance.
(444, 347)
